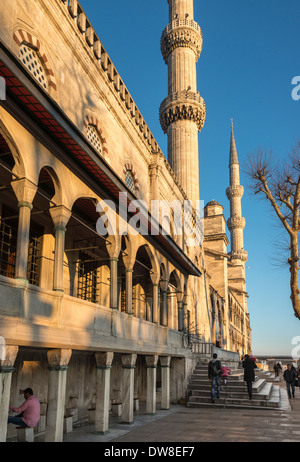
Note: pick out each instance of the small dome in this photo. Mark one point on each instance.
(213, 203)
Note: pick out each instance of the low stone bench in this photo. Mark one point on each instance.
(68, 424)
(25, 434)
(136, 405)
(116, 409)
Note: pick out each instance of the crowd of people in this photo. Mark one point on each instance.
(218, 372)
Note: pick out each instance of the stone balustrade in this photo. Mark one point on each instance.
(181, 33)
(182, 105)
(93, 42)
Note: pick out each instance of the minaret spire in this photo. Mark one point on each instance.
(235, 192)
(183, 112)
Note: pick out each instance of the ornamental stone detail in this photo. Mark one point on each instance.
(239, 255)
(235, 191)
(236, 223)
(181, 33)
(182, 105)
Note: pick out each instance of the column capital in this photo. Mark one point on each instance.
(155, 278)
(25, 190)
(60, 216)
(165, 361)
(104, 360)
(58, 359)
(151, 361)
(128, 361)
(11, 352)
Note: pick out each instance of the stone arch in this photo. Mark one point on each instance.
(128, 167)
(19, 168)
(57, 196)
(94, 121)
(22, 36)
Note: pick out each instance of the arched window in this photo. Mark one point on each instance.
(94, 138)
(30, 59)
(129, 180)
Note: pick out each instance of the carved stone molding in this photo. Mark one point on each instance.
(235, 191)
(236, 223)
(181, 33)
(182, 105)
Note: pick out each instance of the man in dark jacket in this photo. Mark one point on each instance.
(290, 376)
(249, 375)
(214, 371)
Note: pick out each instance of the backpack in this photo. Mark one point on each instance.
(215, 367)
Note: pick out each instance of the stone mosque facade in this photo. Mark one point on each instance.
(99, 322)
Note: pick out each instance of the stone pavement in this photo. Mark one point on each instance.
(188, 425)
(191, 425)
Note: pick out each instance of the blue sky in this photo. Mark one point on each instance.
(250, 55)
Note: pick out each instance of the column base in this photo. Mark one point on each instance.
(127, 423)
(100, 433)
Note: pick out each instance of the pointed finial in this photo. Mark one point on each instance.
(233, 157)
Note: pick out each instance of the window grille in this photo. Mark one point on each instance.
(8, 244)
(88, 286)
(94, 138)
(34, 258)
(31, 60)
(129, 180)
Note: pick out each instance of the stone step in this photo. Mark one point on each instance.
(262, 390)
(244, 405)
(234, 394)
(194, 402)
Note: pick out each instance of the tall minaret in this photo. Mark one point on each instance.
(238, 256)
(183, 112)
(235, 192)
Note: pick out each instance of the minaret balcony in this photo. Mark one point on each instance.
(182, 105)
(235, 191)
(181, 33)
(239, 255)
(236, 223)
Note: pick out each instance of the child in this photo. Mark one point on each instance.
(224, 371)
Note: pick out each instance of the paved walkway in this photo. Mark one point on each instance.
(189, 425)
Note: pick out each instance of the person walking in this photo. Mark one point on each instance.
(29, 411)
(249, 376)
(214, 371)
(224, 372)
(290, 375)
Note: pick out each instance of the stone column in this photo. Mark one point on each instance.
(58, 365)
(165, 362)
(6, 370)
(185, 314)
(155, 282)
(151, 362)
(60, 216)
(164, 305)
(128, 364)
(213, 329)
(155, 304)
(128, 275)
(103, 368)
(114, 283)
(25, 191)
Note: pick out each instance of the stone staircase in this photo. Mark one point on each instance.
(234, 393)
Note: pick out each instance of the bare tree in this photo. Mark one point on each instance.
(280, 185)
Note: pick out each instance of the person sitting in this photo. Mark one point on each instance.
(29, 411)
